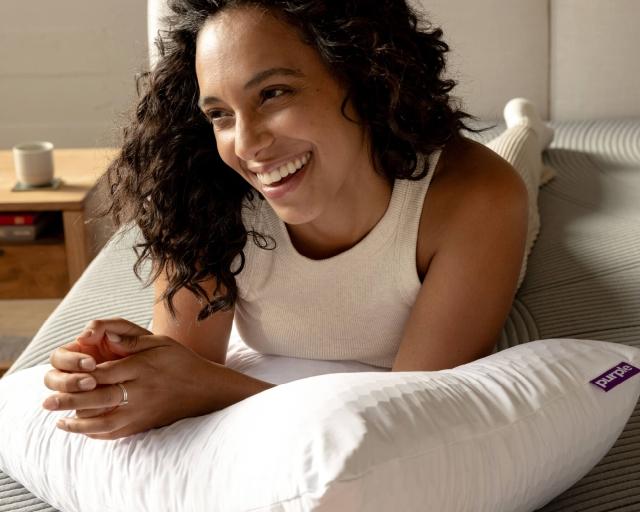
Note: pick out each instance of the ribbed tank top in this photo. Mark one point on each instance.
(352, 306)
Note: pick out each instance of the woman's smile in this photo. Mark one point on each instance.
(274, 173)
(295, 174)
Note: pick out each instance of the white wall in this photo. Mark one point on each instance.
(499, 50)
(67, 69)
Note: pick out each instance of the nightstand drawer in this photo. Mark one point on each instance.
(33, 271)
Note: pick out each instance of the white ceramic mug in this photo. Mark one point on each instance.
(34, 163)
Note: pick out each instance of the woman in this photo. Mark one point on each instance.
(278, 167)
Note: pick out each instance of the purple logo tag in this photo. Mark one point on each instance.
(617, 375)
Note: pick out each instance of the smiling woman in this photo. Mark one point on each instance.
(300, 168)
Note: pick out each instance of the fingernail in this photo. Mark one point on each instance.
(61, 424)
(51, 403)
(87, 364)
(112, 336)
(86, 383)
(86, 334)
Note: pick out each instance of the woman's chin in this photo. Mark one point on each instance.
(292, 215)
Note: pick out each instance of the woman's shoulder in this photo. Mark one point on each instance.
(468, 177)
(467, 167)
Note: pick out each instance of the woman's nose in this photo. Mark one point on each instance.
(251, 136)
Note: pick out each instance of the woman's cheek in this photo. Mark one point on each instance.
(291, 122)
(225, 146)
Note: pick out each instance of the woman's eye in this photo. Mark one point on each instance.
(217, 117)
(273, 93)
(215, 114)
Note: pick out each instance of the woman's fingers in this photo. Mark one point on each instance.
(96, 330)
(99, 333)
(112, 372)
(105, 424)
(101, 391)
(92, 348)
(67, 363)
(92, 413)
(70, 358)
(163, 381)
(117, 434)
(100, 398)
(57, 380)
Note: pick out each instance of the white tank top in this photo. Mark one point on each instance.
(352, 306)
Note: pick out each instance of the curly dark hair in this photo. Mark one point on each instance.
(169, 179)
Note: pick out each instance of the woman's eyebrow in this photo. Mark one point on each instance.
(267, 73)
(256, 80)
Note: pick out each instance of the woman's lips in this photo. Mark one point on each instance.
(286, 185)
(287, 168)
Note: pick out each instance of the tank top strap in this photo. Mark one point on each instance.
(407, 234)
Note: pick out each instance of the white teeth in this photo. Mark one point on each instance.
(274, 176)
(284, 170)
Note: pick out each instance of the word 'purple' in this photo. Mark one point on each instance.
(617, 375)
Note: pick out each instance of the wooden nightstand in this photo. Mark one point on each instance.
(47, 268)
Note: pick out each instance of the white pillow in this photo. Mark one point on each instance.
(505, 433)
(280, 369)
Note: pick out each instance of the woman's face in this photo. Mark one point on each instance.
(275, 111)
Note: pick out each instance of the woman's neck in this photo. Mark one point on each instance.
(356, 212)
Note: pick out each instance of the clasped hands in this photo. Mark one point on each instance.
(165, 381)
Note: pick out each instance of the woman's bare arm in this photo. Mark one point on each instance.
(471, 278)
(208, 338)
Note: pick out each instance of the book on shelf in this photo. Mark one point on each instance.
(35, 225)
(21, 218)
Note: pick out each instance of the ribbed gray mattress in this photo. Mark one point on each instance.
(583, 281)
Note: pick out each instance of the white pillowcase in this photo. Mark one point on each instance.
(507, 432)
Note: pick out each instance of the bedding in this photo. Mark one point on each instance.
(582, 282)
(507, 432)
